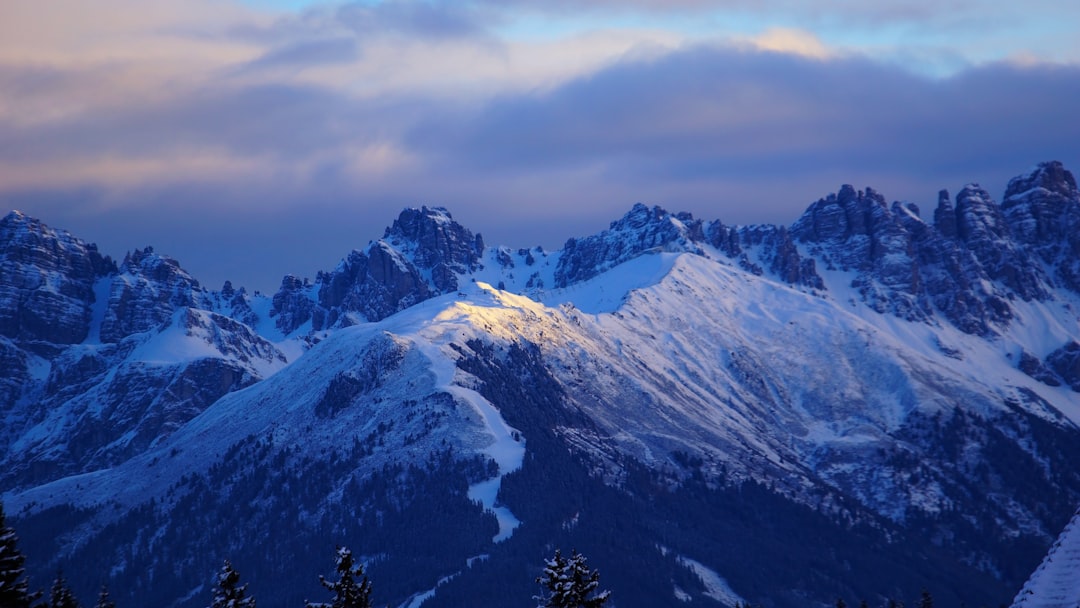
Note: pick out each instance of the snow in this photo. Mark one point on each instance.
(507, 448)
(97, 315)
(667, 351)
(417, 599)
(715, 586)
(173, 345)
(1056, 582)
(279, 407)
(606, 292)
(670, 327)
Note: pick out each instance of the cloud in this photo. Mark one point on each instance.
(792, 41)
(710, 112)
(937, 13)
(423, 19)
(309, 53)
(261, 131)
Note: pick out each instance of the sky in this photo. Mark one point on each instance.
(251, 139)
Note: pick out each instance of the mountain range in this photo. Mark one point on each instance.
(870, 402)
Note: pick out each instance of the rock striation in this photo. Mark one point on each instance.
(146, 292)
(1042, 208)
(99, 361)
(642, 230)
(423, 254)
(968, 264)
(685, 394)
(47, 289)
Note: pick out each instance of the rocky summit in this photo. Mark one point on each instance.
(866, 403)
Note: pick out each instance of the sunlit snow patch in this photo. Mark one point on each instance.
(507, 448)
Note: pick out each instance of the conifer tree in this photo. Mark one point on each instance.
(14, 588)
(925, 600)
(348, 593)
(103, 600)
(569, 583)
(228, 594)
(61, 595)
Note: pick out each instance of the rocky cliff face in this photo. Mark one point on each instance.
(743, 378)
(146, 292)
(421, 255)
(436, 244)
(47, 289)
(369, 286)
(641, 230)
(982, 228)
(967, 265)
(99, 362)
(292, 304)
(234, 303)
(1042, 207)
(857, 231)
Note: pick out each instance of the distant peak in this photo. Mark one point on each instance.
(156, 267)
(641, 230)
(1050, 176)
(434, 238)
(18, 218)
(641, 215)
(840, 215)
(412, 222)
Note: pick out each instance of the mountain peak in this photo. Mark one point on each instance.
(1042, 207)
(48, 278)
(641, 230)
(1050, 176)
(839, 216)
(434, 238)
(150, 287)
(15, 217)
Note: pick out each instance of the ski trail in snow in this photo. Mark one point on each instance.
(507, 449)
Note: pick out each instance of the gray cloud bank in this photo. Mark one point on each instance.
(297, 173)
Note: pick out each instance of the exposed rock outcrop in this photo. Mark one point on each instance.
(420, 256)
(1042, 208)
(149, 288)
(47, 290)
(641, 230)
(292, 304)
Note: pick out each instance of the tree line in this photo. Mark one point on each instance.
(566, 582)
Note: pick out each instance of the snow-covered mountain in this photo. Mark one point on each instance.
(1055, 583)
(863, 404)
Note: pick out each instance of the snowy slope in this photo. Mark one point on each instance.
(748, 382)
(1056, 583)
(282, 407)
(878, 372)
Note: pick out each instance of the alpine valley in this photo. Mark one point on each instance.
(870, 402)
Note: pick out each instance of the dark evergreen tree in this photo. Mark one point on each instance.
(61, 595)
(570, 583)
(228, 593)
(348, 593)
(840, 603)
(925, 600)
(14, 588)
(103, 600)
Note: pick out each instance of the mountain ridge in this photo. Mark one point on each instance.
(884, 376)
